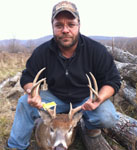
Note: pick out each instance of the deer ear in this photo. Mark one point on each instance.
(45, 116)
(76, 118)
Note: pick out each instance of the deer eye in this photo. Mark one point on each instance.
(51, 129)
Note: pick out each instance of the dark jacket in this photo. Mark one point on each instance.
(66, 78)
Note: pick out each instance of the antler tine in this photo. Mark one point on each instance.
(90, 86)
(38, 74)
(95, 85)
(51, 112)
(35, 88)
(73, 111)
(95, 82)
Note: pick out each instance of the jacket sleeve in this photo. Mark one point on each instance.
(106, 72)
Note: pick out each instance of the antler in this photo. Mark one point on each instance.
(75, 110)
(35, 90)
(90, 87)
(35, 87)
(51, 112)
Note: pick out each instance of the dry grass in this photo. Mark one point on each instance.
(11, 63)
(6, 119)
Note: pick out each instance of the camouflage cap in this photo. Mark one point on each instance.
(65, 6)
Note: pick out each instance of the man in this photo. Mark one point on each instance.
(68, 57)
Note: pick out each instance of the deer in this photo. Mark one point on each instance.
(57, 131)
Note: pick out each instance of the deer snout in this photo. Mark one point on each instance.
(60, 147)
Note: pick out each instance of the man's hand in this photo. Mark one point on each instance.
(35, 101)
(90, 105)
(105, 92)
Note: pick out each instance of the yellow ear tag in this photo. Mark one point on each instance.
(48, 105)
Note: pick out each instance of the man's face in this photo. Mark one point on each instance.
(66, 29)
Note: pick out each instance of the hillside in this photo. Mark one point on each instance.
(16, 45)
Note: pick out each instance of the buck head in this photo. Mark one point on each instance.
(57, 131)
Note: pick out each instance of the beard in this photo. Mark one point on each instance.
(66, 41)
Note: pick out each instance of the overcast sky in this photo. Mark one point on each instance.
(31, 19)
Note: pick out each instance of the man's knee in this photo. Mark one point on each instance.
(108, 120)
(104, 121)
(107, 114)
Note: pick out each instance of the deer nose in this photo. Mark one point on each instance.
(60, 147)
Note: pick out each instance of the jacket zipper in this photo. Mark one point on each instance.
(66, 72)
